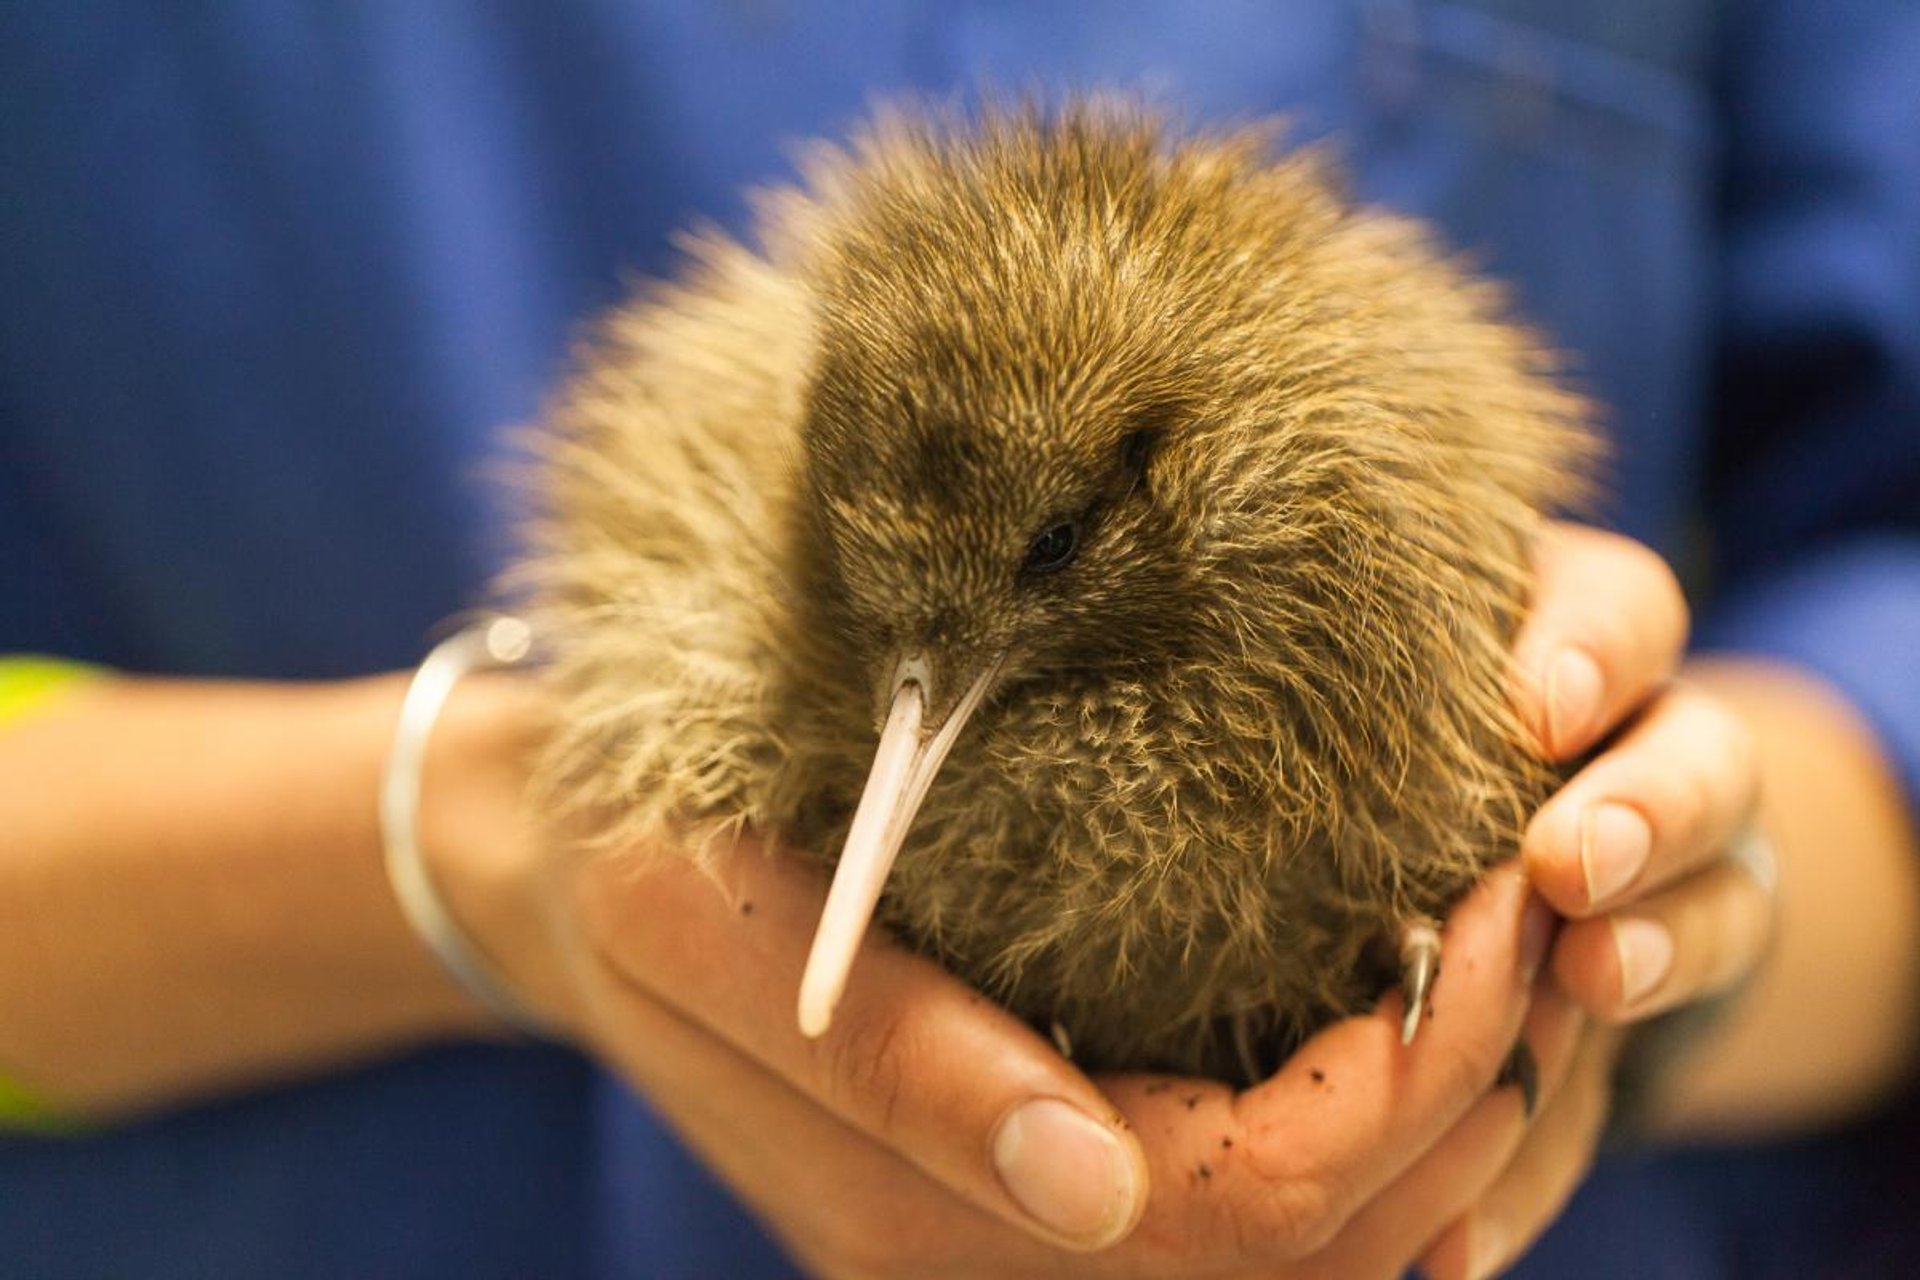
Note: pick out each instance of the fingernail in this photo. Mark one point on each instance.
(1071, 1173)
(1644, 949)
(1486, 1249)
(1536, 934)
(1615, 842)
(1573, 693)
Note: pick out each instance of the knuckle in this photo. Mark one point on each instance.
(1715, 721)
(867, 1066)
(1296, 1218)
(1660, 582)
(1640, 559)
(1610, 637)
(1720, 786)
(1640, 577)
(1737, 749)
(1686, 800)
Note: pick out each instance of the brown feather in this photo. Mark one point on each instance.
(1259, 723)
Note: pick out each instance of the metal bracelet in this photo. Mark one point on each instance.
(497, 642)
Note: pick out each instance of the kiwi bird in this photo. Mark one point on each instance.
(1099, 542)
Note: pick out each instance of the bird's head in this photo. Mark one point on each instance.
(992, 448)
(975, 537)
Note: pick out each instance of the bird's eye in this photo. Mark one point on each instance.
(1054, 549)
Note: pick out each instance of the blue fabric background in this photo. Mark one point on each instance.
(274, 276)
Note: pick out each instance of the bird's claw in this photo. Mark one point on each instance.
(1419, 964)
(1522, 1070)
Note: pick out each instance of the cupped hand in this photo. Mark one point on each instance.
(929, 1133)
(1648, 851)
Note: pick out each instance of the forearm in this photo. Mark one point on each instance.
(192, 896)
(1829, 1024)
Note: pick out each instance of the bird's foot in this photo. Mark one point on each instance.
(1419, 965)
(1522, 1070)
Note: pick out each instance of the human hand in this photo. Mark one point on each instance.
(890, 1147)
(1634, 851)
(879, 1149)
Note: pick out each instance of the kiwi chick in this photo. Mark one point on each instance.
(1116, 525)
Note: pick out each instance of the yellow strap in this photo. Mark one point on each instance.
(22, 1111)
(28, 683)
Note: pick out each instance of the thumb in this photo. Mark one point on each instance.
(914, 1058)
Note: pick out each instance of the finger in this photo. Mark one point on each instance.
(1656, 806)
(1606, 627)
(1353, 1107)
(789, 1157)
(1472, 1159)
(1534, 1188)
(842, 1203)
(1695, 939)
(914, 1058)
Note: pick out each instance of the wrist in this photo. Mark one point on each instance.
(483, 847)
(1838, 984)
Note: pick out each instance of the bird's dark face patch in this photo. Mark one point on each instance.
(938, 448)
(1014, 353)
(972, 513)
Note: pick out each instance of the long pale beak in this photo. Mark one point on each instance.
(903, 769)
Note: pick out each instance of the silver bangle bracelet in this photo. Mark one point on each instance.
(497, 642)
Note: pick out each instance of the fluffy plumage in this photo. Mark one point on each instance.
(1255, 726)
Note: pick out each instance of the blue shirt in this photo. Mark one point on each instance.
(274, 276)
